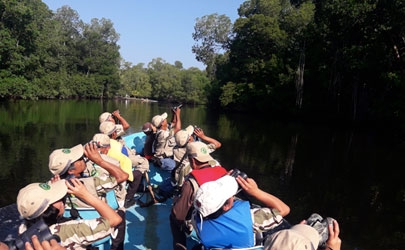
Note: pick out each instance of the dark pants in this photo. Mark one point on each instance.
(117, 243)
(179, 236)
(133, 185)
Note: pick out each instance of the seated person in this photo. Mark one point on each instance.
(222, 222)
(134, 173)
(182, 138)
(45, 201)
(99, 172)
(150, 132)
(204, 169)
(122, 127)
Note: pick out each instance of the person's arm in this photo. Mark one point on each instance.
(183, 203)
(122, 120)
(91, 151)
(200, 134)
(176, 121)
(250, 187)
(79, 190)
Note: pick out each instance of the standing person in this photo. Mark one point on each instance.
(204, 168)
(45, 201)
(150, 132)
(100, 175)
(122, 124)
(164, 140)
(224, 222)
(182, 138)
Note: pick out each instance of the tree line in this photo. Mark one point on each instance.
(318, 59)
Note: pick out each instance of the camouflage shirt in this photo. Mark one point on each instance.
(78, 234)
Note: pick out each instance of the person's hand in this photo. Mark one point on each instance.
(78, 188)
(198, 132)
(3, 246)
(248, 185)
(91, 151)
(333, 242)
(44, 245)
(55, 178)
(116, 113)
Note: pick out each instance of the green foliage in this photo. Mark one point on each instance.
(333, 58)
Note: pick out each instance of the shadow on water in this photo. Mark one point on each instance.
(350, 174)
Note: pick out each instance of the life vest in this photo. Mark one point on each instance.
(204, 175)
(233, 229)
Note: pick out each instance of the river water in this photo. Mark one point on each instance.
(351, 174)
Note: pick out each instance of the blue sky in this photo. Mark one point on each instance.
(152, 28)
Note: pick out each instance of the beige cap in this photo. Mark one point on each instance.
(102, 140)
(60, 159)
(104, 117)
(300, 236)
(107, 127)
(158, 119)
(199, 151)
(183, 136)
(35, 198)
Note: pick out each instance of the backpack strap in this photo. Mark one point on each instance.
(194, 184)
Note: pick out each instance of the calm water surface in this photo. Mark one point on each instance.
(351, 174)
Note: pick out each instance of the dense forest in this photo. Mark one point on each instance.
(320, 59)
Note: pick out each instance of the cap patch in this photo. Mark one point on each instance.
(44, 186)
(66, 151)
(204, 150)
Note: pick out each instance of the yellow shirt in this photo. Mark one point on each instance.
(116, 153)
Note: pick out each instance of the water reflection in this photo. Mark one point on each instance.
(351, 174)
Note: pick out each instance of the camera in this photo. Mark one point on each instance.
(236, 172)
(40, 229)
(321, 225)
(177, 107)
(96, 143)
(69, 177)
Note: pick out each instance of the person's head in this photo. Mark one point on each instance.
(214, 198)
(67, 161)
(300, 236)
(36, 198)
(106, 116)
(102, 141)
(183, 136)
(108, 128)
(198, 154)
(159, 120)
(147, 128)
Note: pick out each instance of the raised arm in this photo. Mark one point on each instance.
(122, 120)
(176, 121)
(79, 190)
(200, 134)
(91, 151)
(250, 187)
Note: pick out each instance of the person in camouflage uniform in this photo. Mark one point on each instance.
(45, 201)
